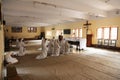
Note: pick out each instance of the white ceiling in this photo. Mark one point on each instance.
(51, 12)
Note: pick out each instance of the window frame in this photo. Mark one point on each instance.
(110, 41)
(48, 33)
(74, 35)
(15, 29)
(32, 29)
(61, 32)
(117, 33)
(109, 32)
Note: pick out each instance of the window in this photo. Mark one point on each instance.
(106, 42)
(48, 33)
(77, 32)
(99, 33)
(73, 32)
(112, 43)
(100, 42)
(59, 32)
(106, 33)
(16, 29)
(114, 33)
(32, 29)
(80, 32)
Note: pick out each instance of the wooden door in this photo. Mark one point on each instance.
(89, 40)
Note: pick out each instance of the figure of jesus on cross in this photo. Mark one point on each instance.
(87, 24)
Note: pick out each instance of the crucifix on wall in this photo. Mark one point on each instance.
(87, 24)
(88, 37)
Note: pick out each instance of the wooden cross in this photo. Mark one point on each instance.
(87, 24)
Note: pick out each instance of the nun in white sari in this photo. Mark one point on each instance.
(44, 50)
(51, 47)
(56, 48)
(67, 47)
(17, 43)
(61, 42)
(21, 48)
(62, 46)
(10, 59)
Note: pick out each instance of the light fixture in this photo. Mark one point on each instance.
(44, 3)
(106, 1)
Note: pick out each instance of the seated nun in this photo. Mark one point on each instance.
(44, 50)
(10, 59)
(67, 47)
(62, 47)
(17, 43)
(56, 48)
(21, 48)
(61, 42)
(51, 47)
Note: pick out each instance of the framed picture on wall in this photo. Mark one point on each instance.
(16, 29)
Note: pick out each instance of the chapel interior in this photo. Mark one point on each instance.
(89, 29)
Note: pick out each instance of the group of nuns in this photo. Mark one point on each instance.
(55, 47)
(21, 46)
